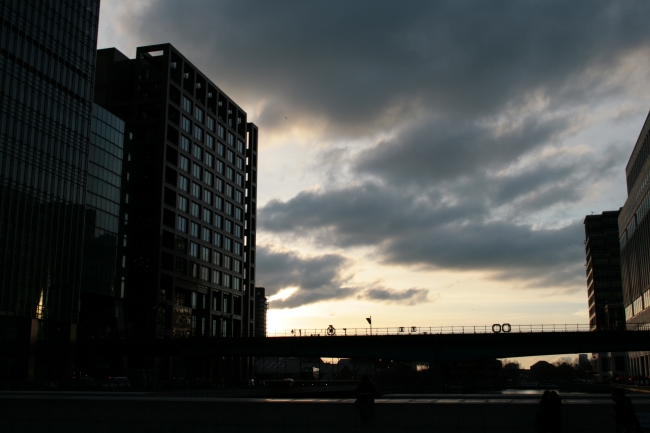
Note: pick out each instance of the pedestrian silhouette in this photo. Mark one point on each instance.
(549, 413)
(366, 393)
(626, 420)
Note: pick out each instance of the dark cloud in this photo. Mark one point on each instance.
(365, 64)
(321, 278)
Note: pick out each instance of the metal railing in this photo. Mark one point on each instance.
(456, 329)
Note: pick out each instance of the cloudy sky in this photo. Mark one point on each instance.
(426, 163)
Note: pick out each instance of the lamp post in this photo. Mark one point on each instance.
(369, 319)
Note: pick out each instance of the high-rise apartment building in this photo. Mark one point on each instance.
(634, 238)
(47, 62)
(261, 309)
(192, 196)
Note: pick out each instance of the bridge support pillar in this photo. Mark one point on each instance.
(438, 377)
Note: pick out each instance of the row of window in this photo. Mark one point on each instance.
(206, 195)
(209, 217)
(207, 274)
(207, 235)
(210, 123)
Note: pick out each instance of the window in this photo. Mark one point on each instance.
(228, 226)
(227, 243)
(216, 278)
(195, 270)
(227, 262)
(240, 163)
(207, 196)
(210, 123)
(207, 234)
(236, 265)
(240, 146)
(221, 131)
(207, 177)
(185, 143)
(218, 202)
(239, 197)
(181, 224)
(196, 171)
(187, 104)
(236, 283)
(218, 184)
(226, 280)
(194, 299)
(238, 231)
(194, 229)
(231, 139)
(183, 163)
(217, 220)
(219, 166)
(198, 114)
(196, 190)
(196, 210)
(220, 149)
(209, 141)
(182, 203)
(240, 180)
(229, 190)
(197, 152)
(186, 124)
(207, 215)
(205, 254)
(216, 258)
(229, 208)
(198, 133)
(239, 214)
(194, 249)
(183, 183)
(217, 239)
(209, 159)
(237, 249)
(231, 157)
(205, 274)
(230, 173)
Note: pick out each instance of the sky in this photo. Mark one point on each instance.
(424, 163)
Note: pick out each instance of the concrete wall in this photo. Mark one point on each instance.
(56, 413)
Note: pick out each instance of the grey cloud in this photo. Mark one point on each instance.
(367, 64)
(321, 278)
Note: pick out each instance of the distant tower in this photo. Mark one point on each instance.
(604, 272)
(261, 306)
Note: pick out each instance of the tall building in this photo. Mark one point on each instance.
(47, 61)
(261, 308)
(603, 270)
(634, 238)
(105, 239)
(192, 199)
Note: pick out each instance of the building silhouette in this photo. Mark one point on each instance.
(261, 308)
(192, 201)
(603, 271)
(634, 238)
(47, 62)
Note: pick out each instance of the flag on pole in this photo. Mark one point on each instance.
(369, 319)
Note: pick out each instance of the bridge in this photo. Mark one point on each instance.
(459, 343)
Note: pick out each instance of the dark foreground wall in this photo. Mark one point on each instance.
(141, 413)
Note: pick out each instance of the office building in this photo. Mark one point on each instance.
(634, 238)
(47, 62)
(192, 197)
(603, 270)
(103, 279)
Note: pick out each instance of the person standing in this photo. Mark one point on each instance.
(626, 420)
(549, 413)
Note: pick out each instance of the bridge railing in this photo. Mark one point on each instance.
(456, 329)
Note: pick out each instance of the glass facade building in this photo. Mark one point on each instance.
(47, 62)
(634, 241)
(105, 240)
